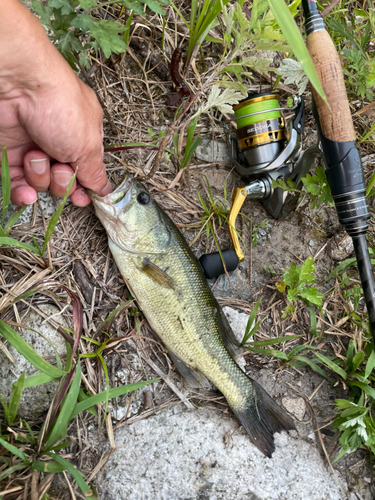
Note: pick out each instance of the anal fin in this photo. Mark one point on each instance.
(194, 378)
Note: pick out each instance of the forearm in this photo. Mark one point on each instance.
(28, 60)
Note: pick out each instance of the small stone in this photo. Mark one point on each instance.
(345, 248)
(311, 243)
(213, 151)
(295, 406)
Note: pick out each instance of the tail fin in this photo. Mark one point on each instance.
(262, 418)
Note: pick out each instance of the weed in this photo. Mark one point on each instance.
(296, 282)
(359, 65)
(75, 32)
(316, 187)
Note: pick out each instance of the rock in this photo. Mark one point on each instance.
(212, 150)
(295, 406)
(237, 320)
(201, 454)
(344, 250)
(35, 400)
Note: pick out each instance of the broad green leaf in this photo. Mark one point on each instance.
(295, 41)
(15, 398)
(113, 393)
(106, 33)
(28, 352)
(86, 490)
(63, 5)
(5, 182)
(331, 365)
(55, 217)
(59, 426)
(15, 451)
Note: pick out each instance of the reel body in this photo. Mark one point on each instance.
(263, 149)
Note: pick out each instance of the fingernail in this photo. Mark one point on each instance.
(61, 177)
(39, 165)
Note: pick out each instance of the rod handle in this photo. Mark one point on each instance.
(336, 120)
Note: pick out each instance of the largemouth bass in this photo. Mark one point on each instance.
(164, 277)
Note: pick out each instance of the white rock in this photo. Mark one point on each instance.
(237, 320)
(35, 400)
(201, 454)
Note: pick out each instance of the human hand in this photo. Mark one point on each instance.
(46, 113)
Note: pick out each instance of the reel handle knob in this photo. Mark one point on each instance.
(213, 265)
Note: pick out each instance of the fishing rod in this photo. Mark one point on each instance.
(337, 138)
(264, 148)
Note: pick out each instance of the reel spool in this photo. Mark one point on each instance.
(260, 131)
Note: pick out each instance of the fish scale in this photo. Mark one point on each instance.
(166, 280)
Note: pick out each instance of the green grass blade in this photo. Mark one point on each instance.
(15, 451)
(294, 38)
(332, 365)
(38, 379)
(28, 352)
(104, 366)
(15, 398)
(5, 181)
(5, 407)
(82, 397)
(60, 424)
(370, 365)
(10, 242)
(274, 341)
(47, 466)
(55, 217)
(365, 388)
(313, 321)
(86, 490)
(11, 470)
(303, 361)
(113, 393)
(13, 219)
(249, 331)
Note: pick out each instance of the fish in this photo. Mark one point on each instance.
(163, 275)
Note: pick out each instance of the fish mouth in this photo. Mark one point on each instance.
(115, 202)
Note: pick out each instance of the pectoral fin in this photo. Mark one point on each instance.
(193, 378)
(157, 274)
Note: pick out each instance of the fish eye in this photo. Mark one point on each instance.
(143, 198)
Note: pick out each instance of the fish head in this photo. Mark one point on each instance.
(132, 219)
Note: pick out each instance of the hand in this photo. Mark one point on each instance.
(46, 113)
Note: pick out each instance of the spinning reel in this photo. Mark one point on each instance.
(263, 149)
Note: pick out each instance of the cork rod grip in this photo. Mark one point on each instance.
(336, 123)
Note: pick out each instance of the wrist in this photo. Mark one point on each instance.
(28, 60)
